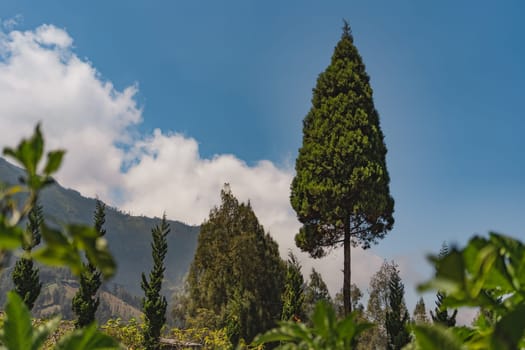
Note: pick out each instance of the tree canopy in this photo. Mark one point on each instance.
(237, 274)
(341, 189)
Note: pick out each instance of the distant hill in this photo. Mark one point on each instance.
(128, 236)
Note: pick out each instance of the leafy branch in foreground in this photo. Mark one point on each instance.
(488, 273)
(60, 248)
(326, 333)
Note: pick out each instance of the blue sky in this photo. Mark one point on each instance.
(448, 80)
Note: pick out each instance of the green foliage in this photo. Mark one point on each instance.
(326, 331)
(341, 189)
(378, 305)
(26, 281)
(17, 332)
(440, 314)
(154, 304)
(85, 302)
(293, 295)
(25, 274)
(130, 334)
(237, 275)
(488, 273)
(209, 338)
(397, 316)
(88, 338)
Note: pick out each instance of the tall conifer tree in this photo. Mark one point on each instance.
(154, 303)
(341, 189)
(85, 302)
(25, 275)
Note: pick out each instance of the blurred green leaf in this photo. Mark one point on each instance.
(88, 338)
(510, 329)
(435, 337)
(54, 159)
(17, 332)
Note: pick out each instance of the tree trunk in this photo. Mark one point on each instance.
(347, 269)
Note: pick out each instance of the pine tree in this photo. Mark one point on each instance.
(85, 302)
(25, 275)
(440, 314)
(397, 317)
(420, 312)
(293, 295)
(154, 304)
(341, 189)
(316, 291)
(237, 274)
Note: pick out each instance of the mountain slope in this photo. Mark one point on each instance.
(128, 236)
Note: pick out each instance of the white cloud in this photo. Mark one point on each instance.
(42, 79)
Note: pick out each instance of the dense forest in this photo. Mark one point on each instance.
(234, 290)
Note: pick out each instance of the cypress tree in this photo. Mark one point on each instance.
(441, 314)
(341, 189)
(293, 296)
(85, 302)
(397, 317)
(154, 304)
(237, 274)
(25, 275)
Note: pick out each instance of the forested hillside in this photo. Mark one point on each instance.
(128, 236)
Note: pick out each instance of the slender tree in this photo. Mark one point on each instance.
(377, 307)
(441, 313)
(316, 291)
(397, 317)
(236, 279)
(85, 302)
(154, 304)
(25, 275)
(420, 312)
(341, 189)
(293, 295)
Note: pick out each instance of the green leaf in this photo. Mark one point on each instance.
(510, 329)
(54, 159)
(10, 236)
(17, 330)
(434, 337)
(88, 338)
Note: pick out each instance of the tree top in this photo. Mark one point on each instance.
(347, 31)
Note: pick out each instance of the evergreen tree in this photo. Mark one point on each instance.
(341, 189)
(397, 317)
(154, 304)
(420, 312)
(25, 275)
(85, 302)
(440, 314)
(378, 306)
(293, 296)
(315, 292)
(237, 274)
